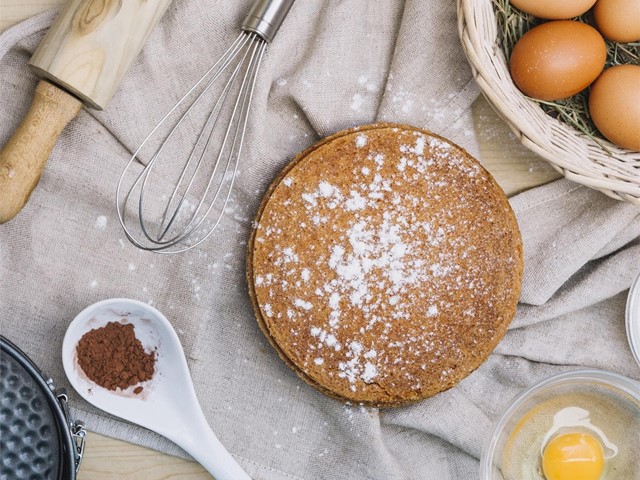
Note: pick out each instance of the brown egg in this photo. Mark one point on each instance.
(614, 105)
(618, 20)
(557, 59)
(554, 9)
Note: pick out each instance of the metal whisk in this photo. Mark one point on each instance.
(189, 199)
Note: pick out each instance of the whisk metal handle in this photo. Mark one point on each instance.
(266, 16)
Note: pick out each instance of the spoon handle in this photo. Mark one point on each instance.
(199, 441)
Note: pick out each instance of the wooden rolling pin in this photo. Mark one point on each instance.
(81, 60)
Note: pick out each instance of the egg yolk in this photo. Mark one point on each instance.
(573, 456)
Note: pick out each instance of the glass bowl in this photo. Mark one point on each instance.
(512, 451)
(633, 318)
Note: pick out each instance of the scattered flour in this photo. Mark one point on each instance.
(356, 102)
(101, 222)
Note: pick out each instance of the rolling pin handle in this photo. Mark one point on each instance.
(24, 156)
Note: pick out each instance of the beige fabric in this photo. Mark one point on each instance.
(334, 64)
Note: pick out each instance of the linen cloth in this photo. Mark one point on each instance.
(334, 64)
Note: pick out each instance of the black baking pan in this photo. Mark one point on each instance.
(38, 441)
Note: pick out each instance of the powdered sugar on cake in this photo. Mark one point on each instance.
(369, 272)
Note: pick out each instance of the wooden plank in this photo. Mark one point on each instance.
(515, 167)
(109, 459)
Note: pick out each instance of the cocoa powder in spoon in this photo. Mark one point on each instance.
(114, 358)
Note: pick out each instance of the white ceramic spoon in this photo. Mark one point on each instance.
(168, 404)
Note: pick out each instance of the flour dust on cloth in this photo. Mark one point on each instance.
(334, 64)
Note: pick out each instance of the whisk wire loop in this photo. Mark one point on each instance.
(215, 114)
(246, 95)
(192, 211)
(225, 59)
(173, 234)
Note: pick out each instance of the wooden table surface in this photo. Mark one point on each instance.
(514, 167)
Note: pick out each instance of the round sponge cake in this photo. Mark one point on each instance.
(385, 265)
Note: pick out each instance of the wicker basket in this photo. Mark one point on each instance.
(610, 169)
